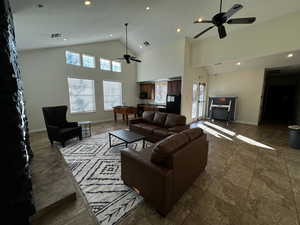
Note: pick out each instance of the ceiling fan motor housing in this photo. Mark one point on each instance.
(219, 19)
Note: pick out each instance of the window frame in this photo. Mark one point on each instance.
(112, 67)
(110, 64)
(94, 91)
(122, 93)
(155, 92)
(68, 51)
(86, 55)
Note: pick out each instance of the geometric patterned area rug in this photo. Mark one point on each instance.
(97, 169)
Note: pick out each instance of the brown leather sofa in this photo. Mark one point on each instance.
(156, 126)
(162, 173)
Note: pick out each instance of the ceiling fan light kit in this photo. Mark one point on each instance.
(221, 18)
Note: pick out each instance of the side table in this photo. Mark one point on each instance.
(86, 127)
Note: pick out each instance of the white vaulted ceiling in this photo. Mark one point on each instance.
(104, 19)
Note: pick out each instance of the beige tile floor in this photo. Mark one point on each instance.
(243, 184)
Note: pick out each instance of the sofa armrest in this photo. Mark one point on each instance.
(178, 129)
(153, 182)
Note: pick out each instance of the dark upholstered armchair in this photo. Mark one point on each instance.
(58, 128)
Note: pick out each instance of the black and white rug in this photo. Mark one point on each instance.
(97, 169)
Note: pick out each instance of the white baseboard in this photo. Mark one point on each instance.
(37, 130)
(245, 122)
(93, 122)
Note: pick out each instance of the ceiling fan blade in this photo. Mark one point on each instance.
(248, 20)
(203, 21)
(222, 32)
(136, 60)
(207, 29)
(235, 8)
(128, 61)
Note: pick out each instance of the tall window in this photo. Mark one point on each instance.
(161, 91)
(82, 95)
(105, 64)
(88, 61)
(116, 67)
(112, 94)
(73, 58)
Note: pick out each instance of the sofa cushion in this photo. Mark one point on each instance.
(165, 148)
(193, 133)
(145, 128)
(163, 132)
(173, 120)
(159, 118)
(148, 116)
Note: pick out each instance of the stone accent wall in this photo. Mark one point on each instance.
(15, 147)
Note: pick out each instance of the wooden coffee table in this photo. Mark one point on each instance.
(126, 136)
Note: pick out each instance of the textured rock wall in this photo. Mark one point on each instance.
(15, 147)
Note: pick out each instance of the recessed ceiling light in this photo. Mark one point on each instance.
(110, 35)
(290, 55)
(178, 30)
(87, 2)
(141, 46)
(238, 63)
(200, 19)
(148, 8)
(65, 39)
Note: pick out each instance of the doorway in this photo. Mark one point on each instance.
(281, 101)
(199, 101)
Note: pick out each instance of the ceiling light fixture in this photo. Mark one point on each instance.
(141, 46)
(290, 55)
(65, 39)
(178, 30)
(200, 19)
(110, 35)
(238, 63)
(87, 2)
(148, 8)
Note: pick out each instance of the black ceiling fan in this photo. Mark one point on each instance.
(224, 17)
(128, 58)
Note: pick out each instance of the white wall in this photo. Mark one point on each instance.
(247, 85)
(276, 36)
(191, 75)
(45, 75)
(162, 62)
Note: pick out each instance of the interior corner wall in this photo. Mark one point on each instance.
(162, 62)
(191, 75)
(45, 76)
(247, 85)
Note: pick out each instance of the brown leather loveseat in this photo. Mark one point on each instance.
(165, 171)
(156, 126)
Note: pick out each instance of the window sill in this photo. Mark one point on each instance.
(78, 113)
